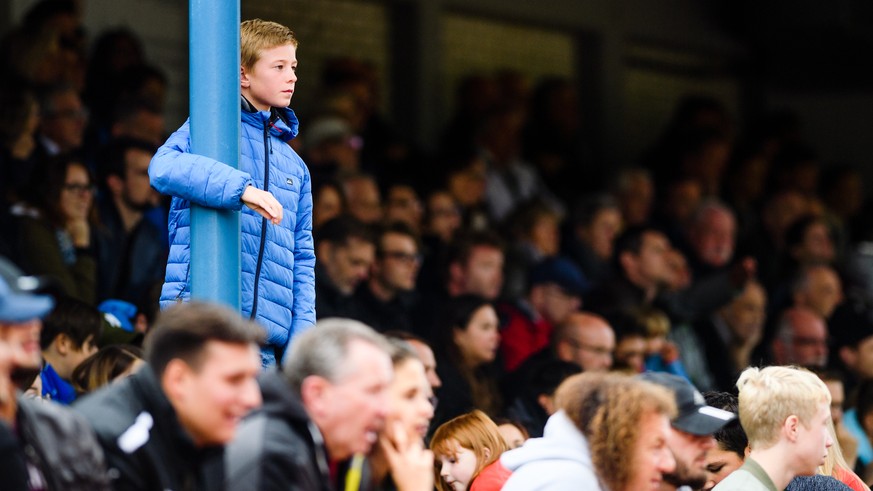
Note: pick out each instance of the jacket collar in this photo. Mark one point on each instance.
(283, 122)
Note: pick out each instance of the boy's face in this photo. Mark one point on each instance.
(270, 82)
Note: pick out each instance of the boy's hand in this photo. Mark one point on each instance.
(264, 203)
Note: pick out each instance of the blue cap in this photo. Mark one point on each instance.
(18, 300)
(562, 272)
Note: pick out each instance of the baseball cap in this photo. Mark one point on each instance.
(695, 416)
(562, 272)
(19, 301)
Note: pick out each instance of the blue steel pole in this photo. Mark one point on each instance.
(215, 127)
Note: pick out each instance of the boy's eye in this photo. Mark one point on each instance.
(280, 66)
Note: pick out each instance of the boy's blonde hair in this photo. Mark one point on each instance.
(655, 321)
(257, 35)
(474, 431)
(770, 395)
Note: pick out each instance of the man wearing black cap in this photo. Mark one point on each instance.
(60, 449)
(692, 430)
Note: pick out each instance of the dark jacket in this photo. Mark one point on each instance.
(130, 264)
(59, 443)
(278, 447)
(157, 453)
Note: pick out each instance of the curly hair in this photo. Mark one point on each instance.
(608, 408)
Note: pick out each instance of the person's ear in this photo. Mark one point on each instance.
(175, 378)
(63, 344)
(790, 427)
(487, 452)
(313, 392)
(244, 78)
(114, 183)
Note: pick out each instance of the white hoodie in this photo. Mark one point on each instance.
(559, 461)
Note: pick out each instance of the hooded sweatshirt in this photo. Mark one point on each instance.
(558, 461)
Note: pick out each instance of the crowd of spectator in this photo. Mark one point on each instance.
(500, 267)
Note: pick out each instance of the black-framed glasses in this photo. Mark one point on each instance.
(597, 350)
(80, 188)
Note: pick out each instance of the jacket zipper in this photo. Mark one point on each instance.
(263, 222)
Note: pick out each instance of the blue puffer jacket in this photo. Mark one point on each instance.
(285, 297)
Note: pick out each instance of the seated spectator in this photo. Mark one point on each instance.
(402, 204)
(69, 336)
(326, 404)
(18, 123)
(513, 432)
(424, 352)
(132, 255)
(64, 453)
(555, 291)
(662, 355)
(466, 359)
(731, 443)
(730, 337)
(785, 413)
(533, 236)
(690, 436)
(535, 401)
(400, 459)
(574, 450)
(327, 201)
(473, 265)
(596, 222)
(108, 364)
(165, 426)
(363, 200)
(57, 231)
(631, 344)
(800, 339)
(345, 248)
(467, 451)
(387, 299)
(634, 190)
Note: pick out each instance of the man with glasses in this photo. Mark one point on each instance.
(387, 299)
(587, 340)
(801, 339)
(62, 123)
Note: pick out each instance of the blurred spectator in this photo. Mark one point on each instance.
(62, 121)
(131, 251)
(387, 299)
(157, 426)
(535, 400)
(555, 292)
(328, 201)
(712, 237)
(533, 233)
(587, 340)
(731, 443)
(467, 452)
(801, 339)
(69, 336)
(596, 222)
(402, 204)
(363, 200)
(346, 249)
(107, 365)
(513, 432)
(326, 404)
(63, 451)
(631, 343)
(818, 288)
(19, 119)
(424, 352)
(57, 232)
(635, 192)
(469, 328)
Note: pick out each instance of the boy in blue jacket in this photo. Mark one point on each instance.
(278, 259)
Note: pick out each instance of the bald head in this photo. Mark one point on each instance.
(587, 340)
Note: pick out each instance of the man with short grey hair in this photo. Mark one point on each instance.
(328, 403)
